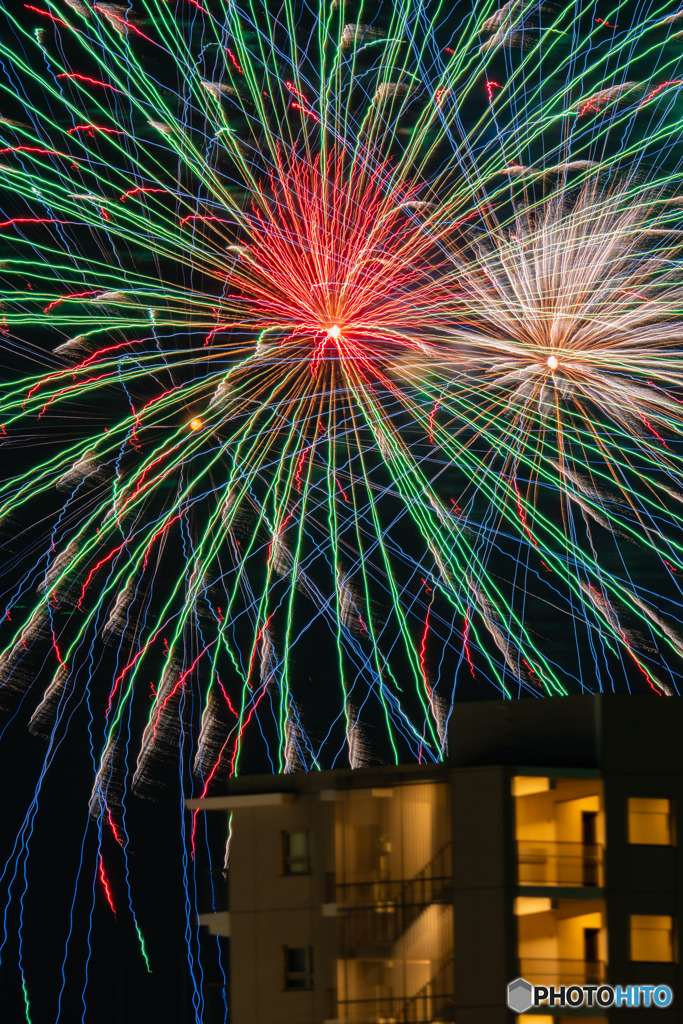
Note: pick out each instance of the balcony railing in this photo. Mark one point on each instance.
(391, 1010)
(434, 1002)
(562, 972)
(542, 862)
(418, 890)
(377, 913)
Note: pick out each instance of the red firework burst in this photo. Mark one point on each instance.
(344, 261)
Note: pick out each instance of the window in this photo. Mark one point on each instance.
(533, 1018)
(652, 938)
(526, 785)
(216, 1002)
(650, 821)
(584, 1020)
(298, 967)
(295, 855)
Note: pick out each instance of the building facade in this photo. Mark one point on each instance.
(545, 848)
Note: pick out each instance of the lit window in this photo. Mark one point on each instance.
(534, 1018)
(295, 856)
(298, 967)
(526, 785)
(652, 938)
(649, 821)
(532, 905)
(584, 1020)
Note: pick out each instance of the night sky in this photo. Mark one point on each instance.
(78, 952)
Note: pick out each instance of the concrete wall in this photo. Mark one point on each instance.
(483, 875)
(270, 910)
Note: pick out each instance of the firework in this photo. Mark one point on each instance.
(572, 345)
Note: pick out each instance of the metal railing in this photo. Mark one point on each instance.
(543, 862)
(377, 913)
(562, 972)
(392, 1010)
(433, 1002)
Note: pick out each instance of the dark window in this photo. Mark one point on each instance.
(298, 967)
(295, 853)
(591, 954)
(215, 1003)
(589, 827)
(590, 849)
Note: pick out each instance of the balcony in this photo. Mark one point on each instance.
(573, 865)
(392, 1010)
(377, 913)
(562, 972)
(433, 1004)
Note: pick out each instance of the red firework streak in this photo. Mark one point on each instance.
(46, 14)
(664, 85)
(129, 666)
(204, 217)
(105, 885)
(432, 417)
(601, 602)
(44, 152)
(210, 776)
(178, 686)
(114, 828)
(257, 697)
(423, 643)
(92, 128)
(71, 295)
(30, 220)
(128, 25)
(336, 264)
(521, 513)
(234, 61)
(465, 644)
(139, 189)
(90, 81)
(490, 85)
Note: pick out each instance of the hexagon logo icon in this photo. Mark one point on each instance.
(520, 995)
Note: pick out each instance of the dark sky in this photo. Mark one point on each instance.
(52, 893)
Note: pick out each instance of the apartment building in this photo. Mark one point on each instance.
(544, 848)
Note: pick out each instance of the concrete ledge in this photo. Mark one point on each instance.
(218, 924)
(235, 803)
